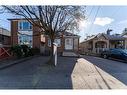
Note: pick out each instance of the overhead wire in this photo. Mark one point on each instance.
(90, 29)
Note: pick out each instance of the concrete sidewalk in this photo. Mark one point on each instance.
(89, 76)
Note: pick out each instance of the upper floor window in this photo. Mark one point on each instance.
(24, 25)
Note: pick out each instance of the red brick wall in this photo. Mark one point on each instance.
(14, 30)
(36, 37)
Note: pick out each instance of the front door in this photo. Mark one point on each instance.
(68, 44)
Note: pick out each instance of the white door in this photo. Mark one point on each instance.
(68, 44)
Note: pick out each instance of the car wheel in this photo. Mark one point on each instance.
(105, 56)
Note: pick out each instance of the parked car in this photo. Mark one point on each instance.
(115, 53)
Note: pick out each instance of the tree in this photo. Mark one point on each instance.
(52, 20)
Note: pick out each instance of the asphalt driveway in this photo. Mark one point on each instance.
(71, 73)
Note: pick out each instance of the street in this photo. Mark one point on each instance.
(71, 73)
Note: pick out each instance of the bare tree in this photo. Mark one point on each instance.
(52, 20)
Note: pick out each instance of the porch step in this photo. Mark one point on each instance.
(69, 54)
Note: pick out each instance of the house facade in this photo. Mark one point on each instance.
(22, 32)
(66, 42)
(5, 37)
(102, 41)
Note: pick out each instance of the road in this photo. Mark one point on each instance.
(71, 73)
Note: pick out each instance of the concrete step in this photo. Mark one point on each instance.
(69, 54)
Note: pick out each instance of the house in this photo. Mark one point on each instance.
(102, 41)
(66, 42)
(4, 37)
(4, 42)
(22, 32)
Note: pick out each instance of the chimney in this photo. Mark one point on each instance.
(108, 31)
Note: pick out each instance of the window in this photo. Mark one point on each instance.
(58, 41)
(25, 39)
(25, 25)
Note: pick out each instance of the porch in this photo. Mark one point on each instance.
(99, 46)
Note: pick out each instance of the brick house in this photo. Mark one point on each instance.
(22, 32)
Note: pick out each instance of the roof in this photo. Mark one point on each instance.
(113, 37)
(109, 37)
(5, 32)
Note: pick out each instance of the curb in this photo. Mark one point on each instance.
(6, 65)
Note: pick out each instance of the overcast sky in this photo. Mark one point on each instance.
(98, 20)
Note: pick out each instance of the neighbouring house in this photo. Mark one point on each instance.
(5, 37)
(22, 32)
(102, 41)
(66, 42)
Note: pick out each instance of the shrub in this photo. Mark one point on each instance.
(26, 51)
(21, 51)
(17, 51)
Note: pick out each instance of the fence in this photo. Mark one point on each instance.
(5, 51)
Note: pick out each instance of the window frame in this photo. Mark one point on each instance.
(21, 25)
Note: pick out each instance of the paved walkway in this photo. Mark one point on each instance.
(70, 73)
(92, 77)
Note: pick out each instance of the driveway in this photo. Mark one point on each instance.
(71, 73)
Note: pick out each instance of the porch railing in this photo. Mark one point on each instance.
(99, 50)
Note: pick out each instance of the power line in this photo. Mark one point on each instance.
(88, 16)
(90, 12)
(94, 18)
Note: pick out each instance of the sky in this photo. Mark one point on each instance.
(98, 20)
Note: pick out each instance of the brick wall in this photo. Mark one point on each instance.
(14, 30)
(36, 37)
